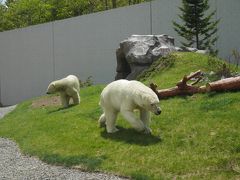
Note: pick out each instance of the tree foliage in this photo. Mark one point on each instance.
(198, 29)
(22, 13)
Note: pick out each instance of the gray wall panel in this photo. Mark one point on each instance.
(163, 13)
(229, 26)
(86, 45)
(26, 63)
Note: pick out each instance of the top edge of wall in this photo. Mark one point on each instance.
(77, 17)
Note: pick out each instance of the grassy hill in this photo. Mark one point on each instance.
(195, 137)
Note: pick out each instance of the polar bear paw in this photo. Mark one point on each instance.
(147, 130)
(113, 130)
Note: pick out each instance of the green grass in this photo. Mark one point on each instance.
(195, 137)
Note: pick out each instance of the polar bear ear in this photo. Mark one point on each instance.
(51, 87)
(53, 84)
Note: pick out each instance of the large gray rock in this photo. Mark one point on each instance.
(138, 52)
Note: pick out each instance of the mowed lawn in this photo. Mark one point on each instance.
(195, 137)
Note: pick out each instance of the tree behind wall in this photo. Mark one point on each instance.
(22, 13)
(2, 11)
(114, 3)
(197, 29)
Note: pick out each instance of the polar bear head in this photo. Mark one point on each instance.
(150, 102)
(51, 88)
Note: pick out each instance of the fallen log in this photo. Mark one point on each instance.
(182, 88)
(232, 83)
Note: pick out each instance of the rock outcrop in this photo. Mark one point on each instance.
(138, 52)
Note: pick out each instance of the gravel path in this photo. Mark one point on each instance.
(15, 166)
(5, 110)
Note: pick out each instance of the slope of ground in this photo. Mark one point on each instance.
(195, 137)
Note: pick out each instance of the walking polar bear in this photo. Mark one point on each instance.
(125, 96)
(68, 88)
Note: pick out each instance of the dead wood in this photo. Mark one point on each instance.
(232, 83)
(183, 88)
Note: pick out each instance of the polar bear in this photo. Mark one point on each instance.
(125, 96)
(68, 88)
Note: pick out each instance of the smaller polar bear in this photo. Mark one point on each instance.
(68, 88)
(125, 96)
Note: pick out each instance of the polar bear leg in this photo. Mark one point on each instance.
(76, 97)
(145, 118)
(130, 117)
(111, 121)
(102, 120)
(64, 99)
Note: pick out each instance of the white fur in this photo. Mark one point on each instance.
(68, 88)
(124, 96)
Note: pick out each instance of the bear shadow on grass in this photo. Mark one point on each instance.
(131, 136)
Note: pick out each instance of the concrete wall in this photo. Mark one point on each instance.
(229, 26)
(30, 58)
(86, 45)
(25, 63)
(163, 13)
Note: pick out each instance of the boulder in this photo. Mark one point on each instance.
(138, 52)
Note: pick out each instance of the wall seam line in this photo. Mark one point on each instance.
(53, 51)
(0, 86)
(151, 28)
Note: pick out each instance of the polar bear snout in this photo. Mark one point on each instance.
(49, 92)
(158, 112)
(156, 109)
